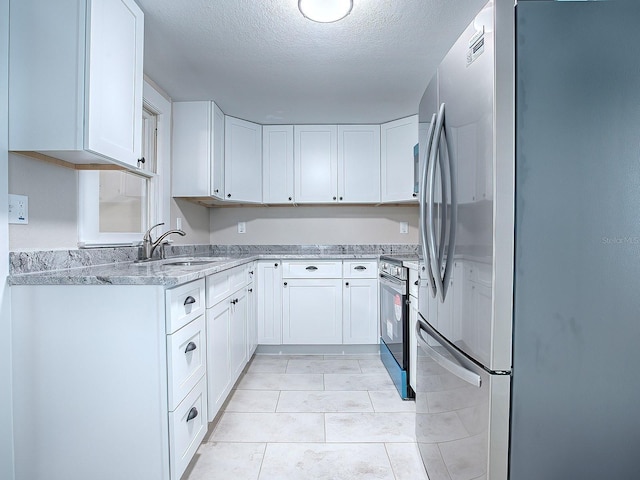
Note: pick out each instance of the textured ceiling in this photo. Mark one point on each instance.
(261, 60)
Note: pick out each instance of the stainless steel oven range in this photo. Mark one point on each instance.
(394, 322)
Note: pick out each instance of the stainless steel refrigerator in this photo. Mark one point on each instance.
(529, 325)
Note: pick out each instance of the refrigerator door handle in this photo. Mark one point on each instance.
(455, 368)
(423, 206)
(453, 216)
(431, 220)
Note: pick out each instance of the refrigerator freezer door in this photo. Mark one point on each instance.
(576, 350)
(466, 88)
(460, 411)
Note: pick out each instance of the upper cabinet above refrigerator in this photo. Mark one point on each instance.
(75, 81)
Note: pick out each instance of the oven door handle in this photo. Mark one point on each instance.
(455, 368)
(399, 286)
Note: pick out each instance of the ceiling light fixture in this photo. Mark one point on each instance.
(325, 11)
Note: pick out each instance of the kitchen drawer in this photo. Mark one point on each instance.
(360, 269)
(183, 304)
(221, 285)
(414, 282)
(312, 269)
(187, 428)
(186, 359)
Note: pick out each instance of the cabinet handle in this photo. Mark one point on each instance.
(250, 290)
(228, 195)
(415, 195)
(311, 268)
(193, 413)
(334, 198)
(285, 284)
(275, 265)
(346, 284)
(190, 347)
(290, 198)
(141, 160)
(251, 272)
(340, 198)
(360, 268)
(189, 300)
(416, 282)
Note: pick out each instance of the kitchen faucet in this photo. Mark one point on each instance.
(149, 246)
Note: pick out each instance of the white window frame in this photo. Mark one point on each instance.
(89, 234)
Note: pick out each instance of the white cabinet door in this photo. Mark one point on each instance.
(397, 140)
(197, 160)
(242, 160)
(238, 333)
(312, 311)
(413, 341)
(269, 302)
(316, 163)
(360, 311)
(277, 164)
(217, 151)
(76, 80)
(114, 111)
(252, 327)
(359, 163)
(218, 356)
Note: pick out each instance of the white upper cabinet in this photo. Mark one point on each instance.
(359, 163)
(398, 139)
(76, 81)
(242, 160)
(277, 164)
(197, 150)
(316, 163)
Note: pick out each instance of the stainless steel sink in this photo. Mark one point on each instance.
(188, 263)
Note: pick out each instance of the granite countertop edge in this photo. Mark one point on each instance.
(154, 273)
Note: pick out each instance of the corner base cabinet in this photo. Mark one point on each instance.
(109, 381)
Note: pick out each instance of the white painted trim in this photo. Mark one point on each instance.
(6, 382)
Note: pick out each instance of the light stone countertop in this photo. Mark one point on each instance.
(156, 272)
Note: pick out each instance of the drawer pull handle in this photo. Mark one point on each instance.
(347, 284)
(275, 265)
(285, 284)
(190, 347)
(251, 290)
(360, 268)
(311, 268)
(416, 282)
(193, 413)
(189, 300)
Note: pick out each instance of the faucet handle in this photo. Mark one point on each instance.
(147, 235)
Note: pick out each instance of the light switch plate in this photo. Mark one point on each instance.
(242, 227)
(404, 227)
(18, 209)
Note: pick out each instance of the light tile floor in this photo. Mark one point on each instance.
(311, 417)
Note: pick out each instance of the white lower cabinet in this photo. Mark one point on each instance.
(219, 356)
(269, 302)
(227, 338)
(360, 311)
(187, 427)
(238, 333)
(312, 311)
(115, 385)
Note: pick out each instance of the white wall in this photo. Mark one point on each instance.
(53, 204)
(6, 410)
(195, 222)
(323, 225)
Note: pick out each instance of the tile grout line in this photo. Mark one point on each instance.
(393, 472)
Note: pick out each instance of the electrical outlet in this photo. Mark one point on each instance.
(404, 227)
(18, 209)
(242, 227)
